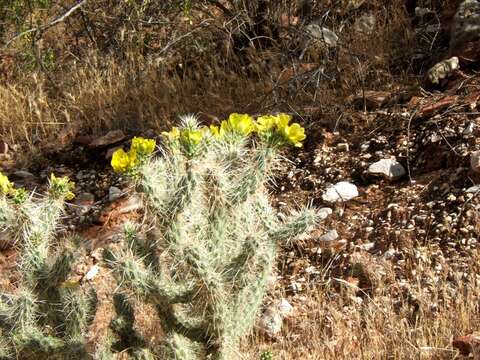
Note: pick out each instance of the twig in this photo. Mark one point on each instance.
(174, 41)
(45, 27)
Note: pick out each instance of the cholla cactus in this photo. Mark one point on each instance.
(205, 263)
(45, 318)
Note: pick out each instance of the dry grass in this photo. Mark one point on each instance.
(337, 319)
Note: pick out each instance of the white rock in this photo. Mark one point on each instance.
(341, 191)
(329, 236)
(324, 212)
(475, 161)
(388, 168)
(90, 275)
(473, 189)
(271, 322)
(323, 34)
(443, 70)
(114, 193)
(285, 308)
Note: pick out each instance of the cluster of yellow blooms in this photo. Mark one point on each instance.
(61, 186)
(266, 126)
(140, 149)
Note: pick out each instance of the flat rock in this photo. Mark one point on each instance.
(323, 34)
(390, 169)
(341, 191)
(110, 138)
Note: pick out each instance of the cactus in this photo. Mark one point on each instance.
(211, 244)
(46, 316)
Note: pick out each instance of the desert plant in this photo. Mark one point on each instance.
(46, 315)
(204, 262)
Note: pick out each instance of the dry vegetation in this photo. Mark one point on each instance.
(136, 65)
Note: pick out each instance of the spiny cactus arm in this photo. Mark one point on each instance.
(253, 175)
(6, 351)
(239, 266)
(31, 343)
(23, 310)
(79, 308)
(43, 221)
(248, 299)
(123, 325)
(295, 226)
(179, 347)
(142, 281)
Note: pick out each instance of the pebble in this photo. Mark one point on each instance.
(285, 308)
(114, 193)
(329, 236)
(341, 191)
(390, 169)
(271, 322)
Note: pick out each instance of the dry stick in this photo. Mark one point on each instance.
(408, 144)
(43, 28)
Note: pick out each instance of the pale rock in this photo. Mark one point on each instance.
(22, 175)
(134, 203)
(285, 308)
(442, 70)
(475, 161)
(329, 236)
(323, 34)
(473, 189)
(90, 275)
(114, 193)
(324, 212)
(271, 322)
(341, 191)
(388, 168)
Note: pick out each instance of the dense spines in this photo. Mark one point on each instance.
(212, 242)
(42, 318)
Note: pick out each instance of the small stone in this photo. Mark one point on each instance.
(132, 204)
(324, 212)
(22, 175)
(323, 34)
(110, 138)
(391, 169)
(92, 272)
(368, 246)
(442, 70)
(271, 322)
(468, 129)
(475, 161)
(343, 147)
(341, 191)
(329, 236)
(285, 308)
(114, 193)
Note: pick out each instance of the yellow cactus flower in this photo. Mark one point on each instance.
(241, 123)
(143, 146)
(266, 123)
(62, 186)
(5, 185)
(283, 120)
(191, 137)
(215, 131)
(172, 135)
(294, 134)
(123, 161)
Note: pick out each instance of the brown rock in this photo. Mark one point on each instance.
(432, 109)
(469, 344)
(110, 138)
(371, 99)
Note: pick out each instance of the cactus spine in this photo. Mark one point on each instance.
(213, 239)
(43, 318)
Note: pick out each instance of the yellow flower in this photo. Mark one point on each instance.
(283, 120)
(5, 185)
(294, 134)
(143, 146)
(266, 123)
(172, 135)
(241, 123)
(191, 137)
(122, 161)
(62, 186)
(215, 131)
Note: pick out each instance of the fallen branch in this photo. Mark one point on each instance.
(45, 27)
